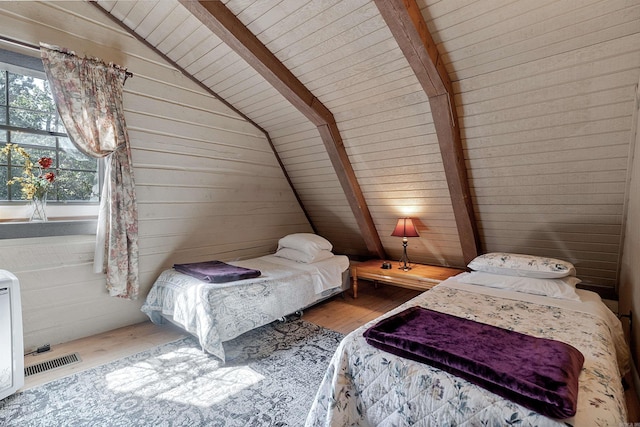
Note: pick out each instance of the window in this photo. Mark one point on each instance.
(28, 117)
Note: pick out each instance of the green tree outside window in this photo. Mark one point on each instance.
(28, 117)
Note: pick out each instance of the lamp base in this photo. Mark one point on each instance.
(404, 261)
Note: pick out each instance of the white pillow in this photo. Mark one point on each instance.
(564, 288)
(305, 242)
(522, 265)
(299, 256)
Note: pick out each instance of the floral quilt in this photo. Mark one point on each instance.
(365, 386)
(219, 312)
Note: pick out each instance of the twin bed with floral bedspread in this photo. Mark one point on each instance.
(302, 272)
(368, 386)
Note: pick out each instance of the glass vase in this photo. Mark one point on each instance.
(38, 208)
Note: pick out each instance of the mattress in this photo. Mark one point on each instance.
(364, 385)
(218, 312)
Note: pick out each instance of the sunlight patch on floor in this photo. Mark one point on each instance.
(186, 376)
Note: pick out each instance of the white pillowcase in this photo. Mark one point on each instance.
(564, 288)
(522, 265)
(305, 242)
(299, 256)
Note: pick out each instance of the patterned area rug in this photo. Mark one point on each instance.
(270, 379)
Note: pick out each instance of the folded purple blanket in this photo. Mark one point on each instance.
(216, 271)
(537, 373)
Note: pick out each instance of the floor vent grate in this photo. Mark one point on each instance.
(48, 365)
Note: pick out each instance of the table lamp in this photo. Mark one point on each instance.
(405, 228)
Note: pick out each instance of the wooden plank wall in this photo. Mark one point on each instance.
(208, 184)
(344, 53)
(298, 142)
(629, 303)
(544, 92)
(546, 95)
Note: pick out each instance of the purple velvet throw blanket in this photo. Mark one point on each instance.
(537, 373)
(216, 271)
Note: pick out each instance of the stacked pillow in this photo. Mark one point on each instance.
(524, 273)
(304, 247)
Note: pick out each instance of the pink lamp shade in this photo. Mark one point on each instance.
(405, 228)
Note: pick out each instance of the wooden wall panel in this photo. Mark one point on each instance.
(344, 53)
(218, 67)
(329, 46)
(546, 94)
(306, 161)
(208, 184)
(629, 272)
(347, 57)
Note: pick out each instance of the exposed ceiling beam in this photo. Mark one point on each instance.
(215, 95)
(404, 19)
(222, 22)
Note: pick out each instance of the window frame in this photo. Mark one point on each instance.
(69, 217)
(22, 230)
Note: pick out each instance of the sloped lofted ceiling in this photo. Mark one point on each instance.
(544, 92)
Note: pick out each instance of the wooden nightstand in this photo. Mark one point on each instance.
(420, 277)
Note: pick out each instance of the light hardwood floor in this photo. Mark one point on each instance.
(341, 313)
(100, 349)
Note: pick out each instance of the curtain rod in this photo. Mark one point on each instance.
(37, 48)
(19, 43)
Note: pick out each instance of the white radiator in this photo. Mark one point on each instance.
(11, 346)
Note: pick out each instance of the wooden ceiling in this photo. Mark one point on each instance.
(222, 23)
(498, 125)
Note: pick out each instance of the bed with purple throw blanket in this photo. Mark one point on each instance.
(219, 312)
(217, 301)
(465, 354)
(538, 373)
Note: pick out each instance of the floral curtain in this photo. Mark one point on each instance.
(88, 95)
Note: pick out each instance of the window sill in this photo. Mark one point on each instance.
(23, 230)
